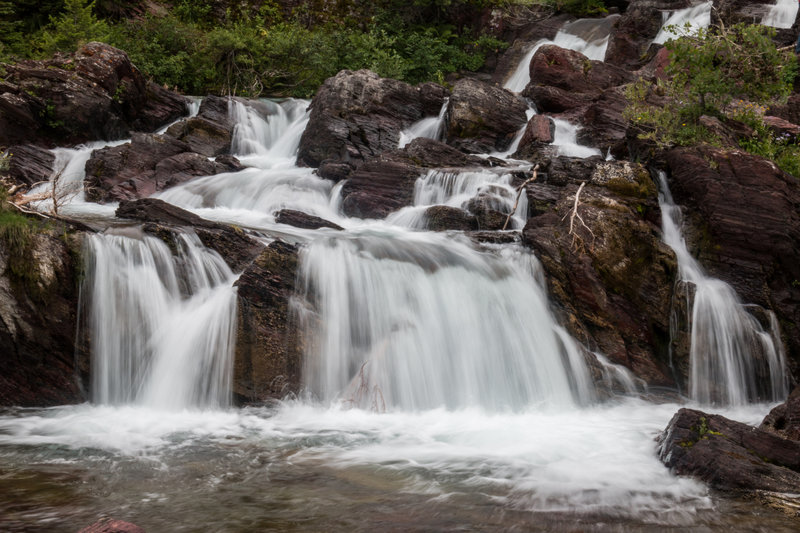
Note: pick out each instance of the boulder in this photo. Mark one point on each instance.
(540, 131)
(445, 218)
(573, 72)
(29, 164)
(632, 34)
(482, 118)
(378, 188)
(299, 219)
(358, 115)
(603, 124)
(790, 111)
(554, 100)
(38, 319)
(743, 225)
(486, 211)
(729, 455)
(612, 278)
(268, 353)
(236, 248)
(784, 420)
(334, 170)
(429, 153)
(209, 133)
(95, 94)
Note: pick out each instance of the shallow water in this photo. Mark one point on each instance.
(298, 466)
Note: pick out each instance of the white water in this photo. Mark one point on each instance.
(565, 139)
(162, 327)
(427, 128)
(684, 22)
(587, 36)
(781, 15)
(734, 360)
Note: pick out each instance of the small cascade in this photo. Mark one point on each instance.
(267, 130)
(697, 17)
(162, 326)
(396, 328)
(194, 108)
(733, 359)
(587, 36)
(781, 15)
(565, 139)
(427, 128)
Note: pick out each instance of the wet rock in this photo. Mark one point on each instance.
(562, 170)
(94, 94)
(109, 525)
(236, 248)
(358, 115)
(29, 164)
(604, 126)
(729, 455)
(554, 100)
(482, 118)
(429, 153)
(182, 167)
(210, 132)
(743, 224)
(784, 420)
(268, 349)
(612, 277)
(299, 219)
(334, 170)
(486, 210)
(633, 33)
(432, 97)
(540, 131)
(444, 218)
(38, 320)
(572, 71)
(378, 188)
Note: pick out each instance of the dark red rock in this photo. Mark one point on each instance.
(94, 94)
(633, 33)
(540, 130)
(604, 126)
(183, 167)
(432, 97)
(445, 218)
(299, 219)
(554, 100)
(358, 115)
(210, 132)
(109, 525)
(378, 188)
(334, 170)
(268, 353)
(790, 111)
(729, 455)
(784, 420)
(743, 224)
(429, 153)
(782, 128)
(482, 118)
(572, 71)
(29, 164)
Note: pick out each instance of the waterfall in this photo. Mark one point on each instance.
(587, 36)
(416, 321)
(697, 17)
(267, 133)
(781, 15)
(565, 139)
(733, 359)
(162, 326)
(427, 128)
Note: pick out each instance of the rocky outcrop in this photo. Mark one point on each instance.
(482, 118)
(299, 219)
(539, 132)
(358, 115)
(94, 94)
(209, 133)
(38, 319)
(29, 164)
(633, 33)
(612, 276)
(378, 188)
(268, 349)
(148, 164)
(744, 227)
(236, 248)
(729, 455)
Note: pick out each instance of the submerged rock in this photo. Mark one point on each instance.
(268, 349)
(729, 455)
(299, 219)
(94, 94)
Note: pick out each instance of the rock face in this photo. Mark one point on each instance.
(149, 163)
(38, 318)
(29, 164)
(729, 455)
(358, 115)
(482, 118)
(612, 277)
(378, 188)
(744, 227)
(95, 94)
(784, 420)
(210, 132)
(633, 33)
(268, 349)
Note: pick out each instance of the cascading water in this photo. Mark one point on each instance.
(427, 128)
(781, 15)
(733, 359)
(397, 329)
(162, 328)
(682, 21)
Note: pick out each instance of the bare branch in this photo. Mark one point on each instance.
(519, 193)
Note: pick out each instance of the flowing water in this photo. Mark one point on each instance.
(734, 359)
(684, 21)
(427, 128)
(439, 391)
(781, 15)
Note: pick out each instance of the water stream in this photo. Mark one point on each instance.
(440, 393)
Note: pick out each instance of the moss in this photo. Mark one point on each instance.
(16, 238)
(642, 187)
